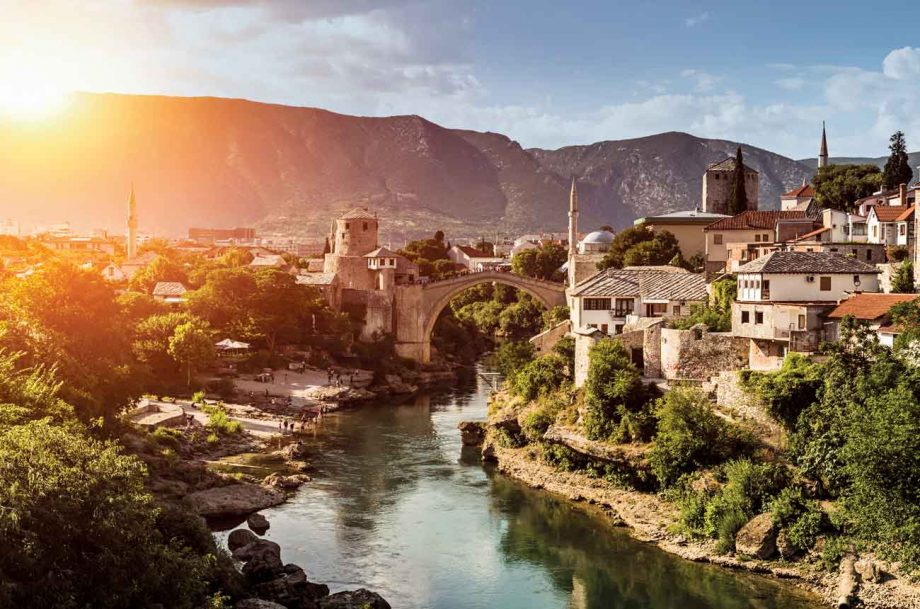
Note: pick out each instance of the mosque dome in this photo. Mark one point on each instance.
(599, 236)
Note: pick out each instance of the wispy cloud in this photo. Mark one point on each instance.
(696, 20)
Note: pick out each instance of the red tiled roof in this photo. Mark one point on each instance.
(750, 219)
(472, 252)
(892, 213)
(802, 191)
(869, 306)
(813, 233)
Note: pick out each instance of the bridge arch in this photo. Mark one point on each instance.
(435, 296)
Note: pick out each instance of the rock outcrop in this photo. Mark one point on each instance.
(285, 483)
(358, 599)
(234, 500)
(257, 603)
(240, 538)
(472, 433)
(258, 523)
(757, 538)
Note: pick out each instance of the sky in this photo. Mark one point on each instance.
(546, 73)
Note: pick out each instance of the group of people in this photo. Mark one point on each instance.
(289, 425)
(337, 378)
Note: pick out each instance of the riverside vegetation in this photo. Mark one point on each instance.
(844, 477)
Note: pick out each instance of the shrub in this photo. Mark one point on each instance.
(539, 377)
(788, 391)
(508, 438)
(212, 438)
(690, 435)
(801, 517)
(220, 422)
(612, 388)
(197, 398)
(535, 421)
(168, 437)
(512, 356)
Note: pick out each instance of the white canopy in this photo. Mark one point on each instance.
(229, 344)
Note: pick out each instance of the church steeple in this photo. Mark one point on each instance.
(132, 225)
(573, 219)
(822, 155)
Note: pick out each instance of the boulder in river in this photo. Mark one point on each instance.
(240, 538)
(258, 523)
(472, 433)
(291, 589)
(286, 483)
(295, 451)
(357, 599)
(234, 500)
(757, 538)
(263, 561)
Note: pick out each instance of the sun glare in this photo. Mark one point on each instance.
(28, 98)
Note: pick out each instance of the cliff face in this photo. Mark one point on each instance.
(223, 162)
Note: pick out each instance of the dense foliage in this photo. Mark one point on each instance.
(897, 169)
(840, 186)
(737, 197)
(716, 312)
(640, 246)
(542, 262)
(903, 280)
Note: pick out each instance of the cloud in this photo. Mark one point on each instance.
(794, 83)
(704, 81)
(696, 20)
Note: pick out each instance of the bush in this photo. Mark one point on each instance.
(690, 435)
(535, 421)
(197, 398)
(168, 437)
(612, 389)
(788, 391)
(801, 517)
(539, 377)
(512, 356)
(220, 422)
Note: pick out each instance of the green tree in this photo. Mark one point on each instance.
(659, 251)
(512, 356)
(897, 168)
(542, 262)
(690, 435)
(640, 246)
(80, 530)
(540, 376)
(716, 312)
(152, 338)
(555, 316)
(903, 280)
(523, 318)
(613, 390)
(737, 198)
(192, 344)
(840, 186)
(68, 317)
(162, 268)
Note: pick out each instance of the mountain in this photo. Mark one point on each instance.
(287, 170)
(913, 159)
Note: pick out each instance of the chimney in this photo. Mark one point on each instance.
(902, 195)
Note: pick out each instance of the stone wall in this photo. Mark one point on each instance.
(765, 355)
(544, 342)
(697, 354)
(583, 344)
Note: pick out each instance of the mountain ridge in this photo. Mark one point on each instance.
(211, 161)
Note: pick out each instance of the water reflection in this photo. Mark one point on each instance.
(398, 507)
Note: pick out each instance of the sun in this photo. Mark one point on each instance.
(28, 97)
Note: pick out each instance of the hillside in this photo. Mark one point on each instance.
(913, 160)
(225, 162)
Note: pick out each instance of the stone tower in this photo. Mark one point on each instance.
(354, 234)
(132, 225)
(717, 186)
(822, 154)
(573, 230)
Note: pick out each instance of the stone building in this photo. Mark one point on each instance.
(717, 186)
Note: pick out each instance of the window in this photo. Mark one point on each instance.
(801, 322)
(618, 329)
(347, 224)
(365, 226)
(624, 307)
(597, 304)
(868, 254)
(757, 238)
(677, 310)
(604, 328)
(758, 317)
(902, 229)
(825, 284)
(717, 239)
(745, 317)
(765, 290)
(766, 237)
(656, 309)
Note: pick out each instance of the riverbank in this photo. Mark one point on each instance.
(649, 519)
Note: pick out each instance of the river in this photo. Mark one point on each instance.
(396, 506)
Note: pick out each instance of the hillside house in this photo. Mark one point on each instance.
(782, 297)
(472, 258)
(614, 297)
(871, 309)
(686, 226)
(736, 240)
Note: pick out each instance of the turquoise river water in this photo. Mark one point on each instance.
(398, 507)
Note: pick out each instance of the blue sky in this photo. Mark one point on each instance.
(545, 73)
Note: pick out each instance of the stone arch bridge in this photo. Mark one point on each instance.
(418, 306)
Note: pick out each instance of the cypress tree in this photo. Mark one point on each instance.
(897, 167)
(737, 199)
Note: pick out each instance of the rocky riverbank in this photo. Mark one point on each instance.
(650, 519)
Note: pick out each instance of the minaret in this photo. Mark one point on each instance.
(822, 156)
(573, 220)
(132, 225)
